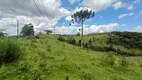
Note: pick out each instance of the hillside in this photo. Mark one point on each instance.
(47, 58)
(123, 43)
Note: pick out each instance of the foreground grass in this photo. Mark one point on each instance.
(49, 59)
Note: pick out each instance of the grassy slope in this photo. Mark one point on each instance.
(101, 41)
(49, 59)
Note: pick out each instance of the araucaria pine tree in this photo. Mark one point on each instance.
(80, 17)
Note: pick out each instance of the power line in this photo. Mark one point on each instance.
(41, 11)
(38, 8)
(44, 9)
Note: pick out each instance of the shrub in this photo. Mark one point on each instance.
(9, 50)
(1, 35)
(67, 77)
(49, 48)
(60, 38)
(79, 42)
(93, 39)
(123, 62)
(74, 42)
(37, 37)
(71, 40)
(139, 61)
(34, 41)
(29, 37)
(86, 45)
(90, 42)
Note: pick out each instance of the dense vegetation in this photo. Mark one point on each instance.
(124, 43)
(46, 58)
(9, 50)
(129, 39)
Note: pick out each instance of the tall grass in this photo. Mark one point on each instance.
(108, 59)
(123, 62)
(9, 50)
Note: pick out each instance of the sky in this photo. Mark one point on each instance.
(110, 15)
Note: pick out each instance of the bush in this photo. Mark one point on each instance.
(60, 38)
(71, 40)
(33, 41)
(29, 37)
(9, 50)
(139, 61)
(37, 37)
(1, 35)
(86, 45)
(79, 43)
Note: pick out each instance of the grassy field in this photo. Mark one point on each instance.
(49, 59)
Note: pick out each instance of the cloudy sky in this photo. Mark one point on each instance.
(111, 15)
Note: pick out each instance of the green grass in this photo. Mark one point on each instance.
(102, 40)
(49, 59)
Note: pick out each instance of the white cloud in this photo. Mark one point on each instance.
(136, 1)
(131, 7)
(119, 4)
(124, 15)
(130, 14)
(137, 29)
(10, 25)
(98, 5)
(102, 28)
(87, 30)
(139, 15)
(73, 1)
(68, 18)
(66, 30)
(26, 12)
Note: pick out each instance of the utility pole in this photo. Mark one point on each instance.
(54, 30)
(17, 28)
(82, 36)
(54, 34)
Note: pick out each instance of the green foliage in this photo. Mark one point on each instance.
(71, 40)
(87, 76)
(113, 42)
(79, 42)
(28, 30)
(1, 34)
(129, 39)
(139, 61)
(48, 31)
(82, 15)
(108, 59)
(78, 34)
(60, 38)
(123, 62)
(67, 77)
(9, 50)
